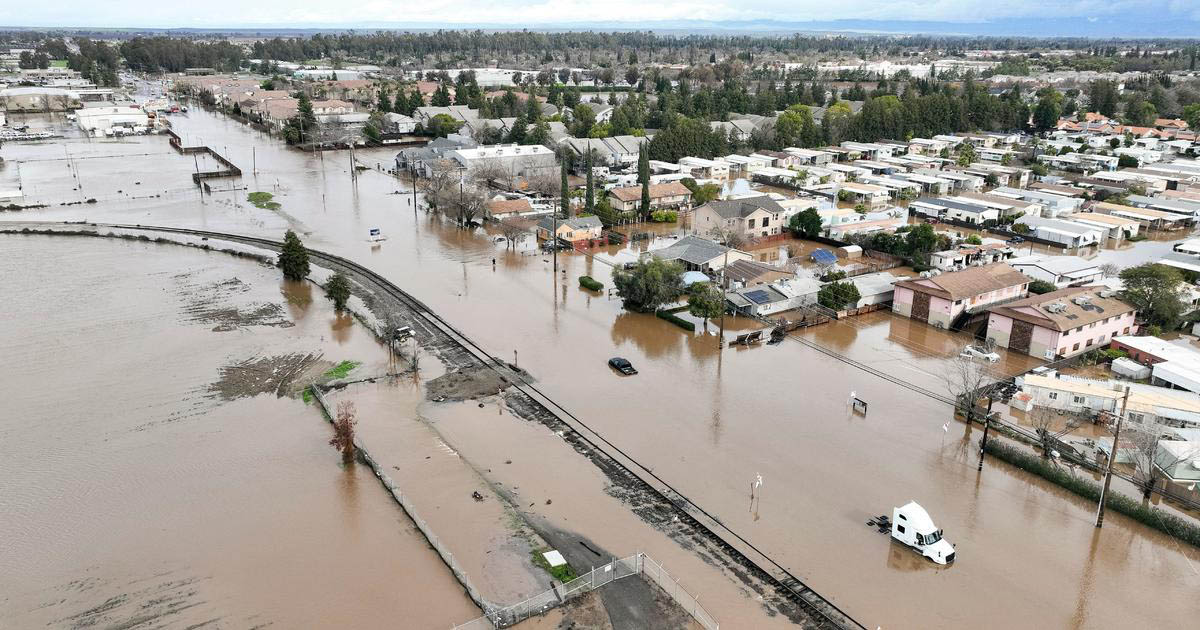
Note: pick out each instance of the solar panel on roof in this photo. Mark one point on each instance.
(824, 257)
(758, 296)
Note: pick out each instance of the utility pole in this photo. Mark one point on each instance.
(1111, 458)
(724, 265)
(987, 423)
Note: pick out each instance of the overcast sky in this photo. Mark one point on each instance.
(283, 13)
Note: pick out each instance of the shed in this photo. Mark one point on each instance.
(1131, 369)
(850, 251)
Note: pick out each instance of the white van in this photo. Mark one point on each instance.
(912, 526)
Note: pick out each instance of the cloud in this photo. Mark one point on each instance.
(216, 13)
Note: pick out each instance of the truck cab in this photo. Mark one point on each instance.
(912, 526)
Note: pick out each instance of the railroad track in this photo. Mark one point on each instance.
(824, 614)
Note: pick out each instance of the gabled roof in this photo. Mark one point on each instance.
(692, 249)
(509, 206)
(958, 285)
(634, 193)
(731, 208)
(747, 271)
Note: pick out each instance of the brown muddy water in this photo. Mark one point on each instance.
(709, 421)
(152, 476)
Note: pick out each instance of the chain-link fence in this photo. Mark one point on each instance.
(593, 579)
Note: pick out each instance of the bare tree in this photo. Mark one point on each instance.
(343, 430)
(1148, 458)
(1051, 426)
(467, 209)
(513, 232)
(491, 172)
(440, 189)
(1110, 270)
(965, 379)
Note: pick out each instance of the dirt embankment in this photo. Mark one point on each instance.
(471, 382)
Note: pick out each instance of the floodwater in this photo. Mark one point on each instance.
(709, 421)
(152, 477)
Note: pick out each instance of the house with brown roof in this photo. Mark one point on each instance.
(499, 209)
(1060, 323)
(668, 196)
(940, 300)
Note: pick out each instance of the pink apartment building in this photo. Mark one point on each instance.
(939, 300)
(1061, 323)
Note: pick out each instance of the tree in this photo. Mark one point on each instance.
(838, 295)
(921, 240)
(705, 300)
(966, 154)
(644, 178)
(303, 126)
(589, 199)
(1127, 161)
(806, 223)
(441, 97)
(1110, 270)
(293, 257)
(1050, 425)
(1038, 287)
(701, 193)
(1102, 95)
(974, 240)
(650, 284)
(583, 118)
(1156, 291)
(384, 103)
(338, 290)
(965, 379)
(1191, 114)
(343, 431)
(442, 125)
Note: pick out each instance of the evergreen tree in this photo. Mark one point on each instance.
(400, 105)
(441, 98)
(385, 101)
(644, 178)
(516, 134)
(338, 290)
(589, 200)
(415, 100)
(293, 257)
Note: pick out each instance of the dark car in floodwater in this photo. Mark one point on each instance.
(622, 365)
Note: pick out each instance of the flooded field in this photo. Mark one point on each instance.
(709, 421)
(159, 471)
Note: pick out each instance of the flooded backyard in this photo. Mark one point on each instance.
(159, 470)
(706, 420)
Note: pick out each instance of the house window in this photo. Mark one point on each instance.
(1137, 417)
(1078, 400)
(766, 221)
(1075, 347)
(1089, 342)
(752, 223)
(1053, 395)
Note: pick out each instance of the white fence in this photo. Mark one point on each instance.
(636, 564)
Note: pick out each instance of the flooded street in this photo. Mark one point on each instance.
(159, 472)
(707, 421)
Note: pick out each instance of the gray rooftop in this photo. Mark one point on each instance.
(730, 208)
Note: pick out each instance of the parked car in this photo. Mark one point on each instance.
(975, 353)
(1016, 240)
(622, 365)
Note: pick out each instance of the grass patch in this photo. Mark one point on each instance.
(341, 370)
(563, 572)
(589, 282)
(58, 63)
(1152, 517)
(263, 200)
(307, 395)
(670, 316)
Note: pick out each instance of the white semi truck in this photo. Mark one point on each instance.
(912, 526)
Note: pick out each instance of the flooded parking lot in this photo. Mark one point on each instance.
(710, 421)
(158, 470)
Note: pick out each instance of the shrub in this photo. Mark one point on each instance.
(675, 319)
(1045, 468)
(1038, 287)
(664, 216)
(588, 282)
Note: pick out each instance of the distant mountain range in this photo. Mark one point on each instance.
(1130, 27)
